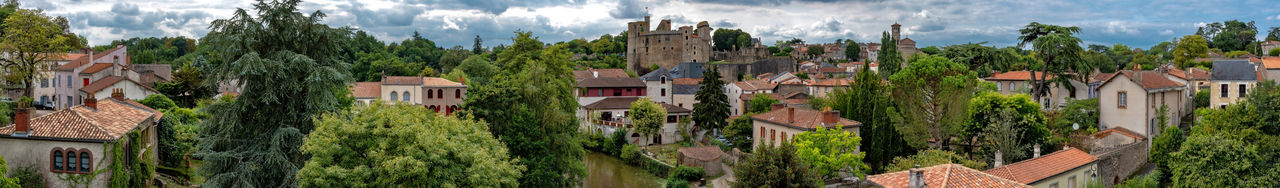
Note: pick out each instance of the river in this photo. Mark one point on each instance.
(607, 171)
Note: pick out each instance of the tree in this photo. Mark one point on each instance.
(713, 107)
(288, 64)
(932, 95)
(815, 51)
(867, 101)
(478, 47)
(1273, 34)
(931, 50)
(739, 134)
(1004, 137)
(982, 59)
(383, 145)
(927, 158)
(761, 103)
(647, 117)
(188, 85)
(158, 102)
(852, 51)
(1216, 161)
(1165, 144)
(530, 105)
(1189, 48)
(1057, 52)
(1077, 112)
(30, 38)
(889, 58)
(830, 151)
(1265, 101)
(1230, 35)
(1014, 117)
(729, 39)
(1035, 30)
(774, 166)
(1201, 99)
(5, 181)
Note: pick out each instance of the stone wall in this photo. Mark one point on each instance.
(785, 89)
(731, 72)
(1116, 164)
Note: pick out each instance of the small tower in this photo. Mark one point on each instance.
(897, 32)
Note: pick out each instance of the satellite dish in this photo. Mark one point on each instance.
(1075, 126)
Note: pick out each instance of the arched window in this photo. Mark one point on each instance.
(57, 159)
(85, 165)
(71, 161)
(457, 93)
(393, 96)
(440, 92)
(406, 96)
(430, 95)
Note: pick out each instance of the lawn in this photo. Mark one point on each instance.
(665, 153)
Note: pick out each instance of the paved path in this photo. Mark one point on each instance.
(724, 180)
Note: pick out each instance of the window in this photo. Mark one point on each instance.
(457, 93)
(1071, 182)
(68, 102)
(599, 92)
(664, 79)
(1072, 92)
(784, 137)
(84, 162)
(999, 87)
(406, 96)
(1054, 185)
(430, 95)
(1243, 90)
(116, 60)
(1224, 91)
(761, 132)
(86, 81)
(57, 160)
(71, 161)
(55, 81)
(440, 93)
(1011, 88)
(393, 96)
(69, 81)
(664, 92)
(1122, 99)
(671, 119)
(44, 83)
(617, 92)
(772, 134)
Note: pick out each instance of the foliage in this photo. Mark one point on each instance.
(1057, 52)
(932, 95)
(1149, 180)
(529, 106)
(927, 158)
(852, 51)
(30, 38)
(739, 132)
(1166, 143)
(383, 145)
(614, 143)
(1201, 99)
(152, 50)
(5, 181)
(867, 101)
(687, 173)
(27, 176)
(982, 59)
(1265, 99)
(774, 166)
(630, 153)
(647, 116)
(730, 39)
(761, 103)
(135, 172)
(815, 50)
(889, 58)
(931, 50)
(830, 151)
(1034, 30)
(1189, 48)
(290, 67)
(177, 135)
(188, 85)
(713, 107)
(1016, 114)
(1274, 52)
(158, 102)
(1083, 112)
(1230, 35)
(1217, 161)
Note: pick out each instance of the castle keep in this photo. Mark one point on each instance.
(665, 47)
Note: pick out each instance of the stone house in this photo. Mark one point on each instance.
(607, 115)
(437, 94)
(76, 140)
(735, 91)
(1231, 81)
(1130, 99)
(782, 124)
(1270, 69)
(684, 92)
(706, 157)
(821, 88)
(1069, 167)
(1019, 82)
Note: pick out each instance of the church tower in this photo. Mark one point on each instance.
(897, 32)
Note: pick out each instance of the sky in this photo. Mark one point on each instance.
(1138, 24)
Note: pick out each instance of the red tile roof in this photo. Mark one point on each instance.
(831, 82)
(1196, 73)
(613, 103)
(755, 85)
(110, 121)
(1150, 80)
(1016, 75)
(85, 60)
(1033, 170)
(704, 153)
(1118, 130)
(96, 68)
(367, 90)
(69, 56)
(1271, 62)
(612, 73)
(440, 82)
(804, 119)
(945, 175)
(402, 80)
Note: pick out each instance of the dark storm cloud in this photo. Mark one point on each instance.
(628, 9)
(723, 24)
(125, 9)
(491, 6)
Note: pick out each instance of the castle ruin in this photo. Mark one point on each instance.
(665, 47)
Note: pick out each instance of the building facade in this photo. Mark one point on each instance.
(782, 124)
(1131, 99)
(665, 47)
(437, 94)
(1019, 82)
(1231, 81)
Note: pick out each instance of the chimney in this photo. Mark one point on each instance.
(999, 158)
(776, 107)
(917, 177)
(829, 116)
(1036, 151)
(595, 74)
(91, 102)
(791, 115)
(21, 120)
(117, 94)
(119, 45)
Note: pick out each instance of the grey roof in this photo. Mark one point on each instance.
(656, 75)
(1234, 70)
(688, 70)
(684, 89)
(610, 82)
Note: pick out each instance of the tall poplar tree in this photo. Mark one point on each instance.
(889, 58)
(290, 68)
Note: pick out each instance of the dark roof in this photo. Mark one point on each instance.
(1233, 70)
(610, 82)
(625, 103)
(685, 89)
(688, 70)
(656, 75)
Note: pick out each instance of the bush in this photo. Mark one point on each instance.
(1149, 180)
(677, 183)
(28, 176)
(1274, 52)
(655, 167)
(613, 145)
(687, 173)
(158, 102)
(592, 141)
(630, 153)
(1201, 99)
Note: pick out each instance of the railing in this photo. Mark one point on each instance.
(611, 123)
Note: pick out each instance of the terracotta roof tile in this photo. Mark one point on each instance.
(402, 80)
(366, 90)
(945, 175)
(97, 67)
(613, 73)
(755, 85)
(440, 82)
(1150, 80)
(832, 82)
(805, 119)
(704, 153)
(85, 60)
(625, 103)
(111, 120)
(1196, 73)
(1033, 170)
(109, 81)
(1271, 62)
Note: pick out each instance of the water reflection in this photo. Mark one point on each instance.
(606, 171)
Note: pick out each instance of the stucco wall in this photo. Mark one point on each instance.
(1130, 117)
(131, 91)
(415, 93)
(25, 152)
(684, 101)
(658, 91)
(1081, 175)
(453, 97)
(773, 133)
(1233, 92)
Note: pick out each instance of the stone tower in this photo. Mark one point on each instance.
(897, 31)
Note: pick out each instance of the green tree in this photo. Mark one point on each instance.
(1057, 52)
(927, 158)
(1201, 99)
(1265, 101)
(478, 47)
(188, 85)
(724, 39)
(1035, 30)
(383, 145)
(713, 107)
(1081, 112)
(158, 102)
(529, 106)
(761, 103)
(931, 50)
(831, 151)
(1273, 34)
(739, 132)
(932, 95)
(5, 181)
(774, 166)
(647, 117)
(1165, 144)
(1274, 52)
(1215, 161)
(982, 59)
(30, 38)
(852, 51)
(1003, 137)
(288, 64)
(867, 101)
(1016, 114)
(815, 51)
(1230, 35)
(1188, 49)
(889, 58)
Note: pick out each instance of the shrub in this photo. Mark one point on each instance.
(687, 173)
(1274, 52)
(158, 102)
(615, 142)
(28, 176)
(677, 183)
(630, 153)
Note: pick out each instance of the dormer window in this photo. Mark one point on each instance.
(664, 79)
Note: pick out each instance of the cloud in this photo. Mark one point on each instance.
(628, 9)
(723, 24)
(1276, 17)
(1114, 27)
(1166, 32)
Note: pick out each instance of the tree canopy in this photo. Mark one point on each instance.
(30, 38)
(647, 116)
(774, 166)
(867, 101)
(990, 111)
(889, 58)
(1189, 48)
(761, 103)
(852, 51)
(725, 39)
(383, 145)
(932, 97)
(927, 158)
(712, 108)
(1230, 35)
(831, 151)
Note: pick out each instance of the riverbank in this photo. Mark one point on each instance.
(608, 171)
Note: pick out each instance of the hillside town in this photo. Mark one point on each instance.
(273, 96)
